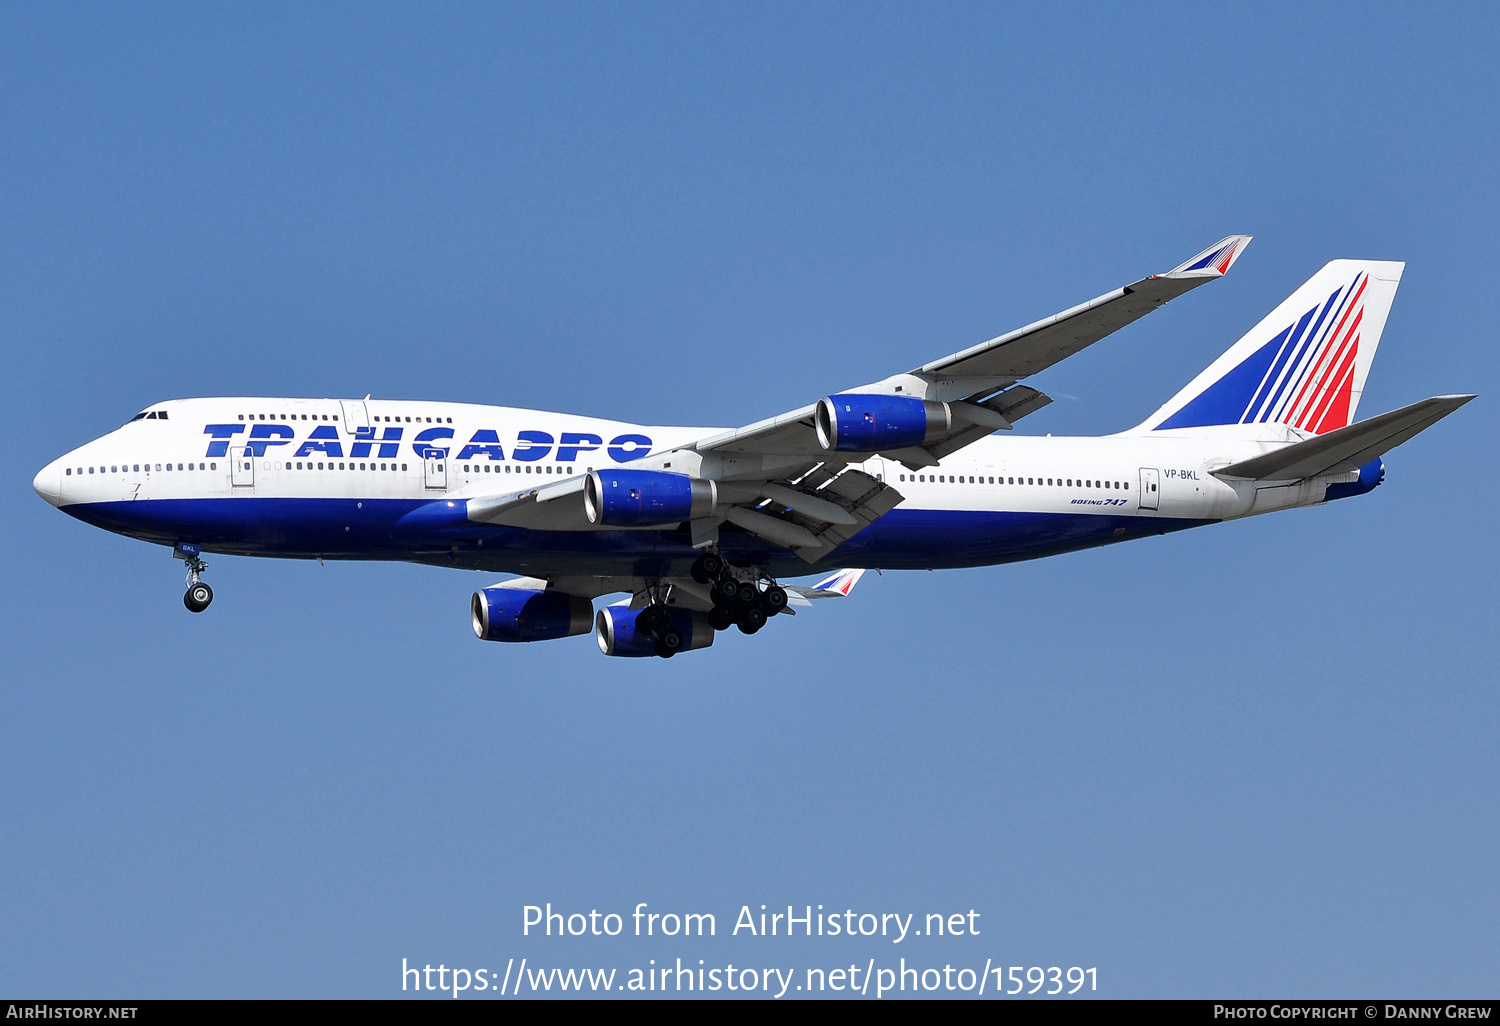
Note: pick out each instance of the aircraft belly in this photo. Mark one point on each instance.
(369, 529)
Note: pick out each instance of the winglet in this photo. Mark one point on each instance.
(1213, 262)
(841, 583)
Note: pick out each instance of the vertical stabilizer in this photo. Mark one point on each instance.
(1303, 365)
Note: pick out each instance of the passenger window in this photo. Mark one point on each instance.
(211, 466)
(403, 466)
(68, 472)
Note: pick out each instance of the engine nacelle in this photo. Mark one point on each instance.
(641, 498)
(515, 614)
(615, 629)
(1371, 475)
(878, 423)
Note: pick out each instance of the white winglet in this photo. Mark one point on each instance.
(1213, 262)
(837, 585)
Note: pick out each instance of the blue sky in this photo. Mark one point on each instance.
(1256, 759)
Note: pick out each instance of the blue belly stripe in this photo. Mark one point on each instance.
(369, 529)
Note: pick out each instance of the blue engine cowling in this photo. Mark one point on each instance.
(878, 423)
(514, 614)
(641, 498)
(1370, 477)
(615, 630)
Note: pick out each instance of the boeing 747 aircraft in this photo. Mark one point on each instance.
(696, 526)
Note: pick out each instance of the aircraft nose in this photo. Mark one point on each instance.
(48, 483)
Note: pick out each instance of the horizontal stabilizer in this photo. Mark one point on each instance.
(1347, 448)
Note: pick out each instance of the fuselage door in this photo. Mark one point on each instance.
(356, 417)
(434, 469)
(241, 468)
(1150, 488)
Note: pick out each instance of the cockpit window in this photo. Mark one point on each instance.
(148, 415)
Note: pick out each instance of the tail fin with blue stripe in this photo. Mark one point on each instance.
(1304, 365)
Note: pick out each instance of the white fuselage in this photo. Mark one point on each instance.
(330, 478)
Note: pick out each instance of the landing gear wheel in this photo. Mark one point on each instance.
(773, 599)
(669, 642)
(198, 596)
(707, 567)
(751, 620)
(727, 592)
(720, 619)
(651, 618)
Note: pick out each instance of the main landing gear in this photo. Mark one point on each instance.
(198, 594)
(742, 597)
(738, 601)
(655, 619)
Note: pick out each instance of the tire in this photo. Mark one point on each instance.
(773, 599)
(706, 568)
(197, 597)
(751, 620)
(720, 619)
(727, 592)
(669, 642)
(650, 618)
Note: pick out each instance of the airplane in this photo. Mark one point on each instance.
(697, 527)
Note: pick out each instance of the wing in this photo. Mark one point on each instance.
(791, 480)
(796, 480)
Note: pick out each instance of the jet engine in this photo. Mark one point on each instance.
(878, 423)
(515, 614)
(615, 629)
(641, 498)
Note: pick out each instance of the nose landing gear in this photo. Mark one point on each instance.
(198, 594)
